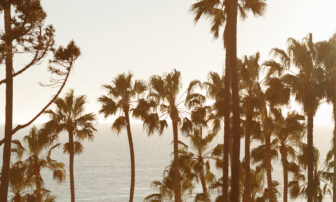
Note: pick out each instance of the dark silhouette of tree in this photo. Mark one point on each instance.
(17, 180)
(326, 58)
(322, 177)
(163, 93)
(121, 95)
(220, 13)
(262, 156)
(216, 90)
(69, 116)
(37, 142)
(289, 133)
(251, 99)
(199, 153)
(165, 188)
(306, 85)
(25, 32)
(26, 181)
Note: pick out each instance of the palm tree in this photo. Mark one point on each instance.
(69, 115)
(216, 90)
(164, 91)
(250, 90)
(263, 155)
(225, 12)
(306, 85)
(322, 176)
(17, 180)
(199, 153)
(326, 51)
(165, 188)
(37, 141)
(288, 133)
(121, 95)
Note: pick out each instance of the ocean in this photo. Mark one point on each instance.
(102, 171)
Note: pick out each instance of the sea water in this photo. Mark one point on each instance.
(102, 171)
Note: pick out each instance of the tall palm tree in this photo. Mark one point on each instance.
(69, 116)
(164, 92)
(326, 57)
(121, 95)
(250, 90)
(289, 132)
(276, 95)
(216, 90)
(306, 85)
(225, 12)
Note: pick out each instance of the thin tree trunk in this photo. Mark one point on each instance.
(310, 157)
(130, 142)
(315, 194)
(9, 105)
(203, 183)
(176, 181)
(247, 193)
(38, 190)
(227, 85)
(71, 167)
(283, 152)
(334, 140)
(231, 56)
(269, 167)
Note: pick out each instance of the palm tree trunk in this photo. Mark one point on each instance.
(9, 105)
(231, 57)
(130, 142)
(71, 167)
(269, 167)
(202, 176)
(315, 175)
(176, 181)
(227, 79)
(38, 190)
(247, 193)
(283, 153)
(310, 153)
(334, 140)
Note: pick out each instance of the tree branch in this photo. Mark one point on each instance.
(31, 63)
(19, 127)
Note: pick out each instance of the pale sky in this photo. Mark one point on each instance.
(150, 37)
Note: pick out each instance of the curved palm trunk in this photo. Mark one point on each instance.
(130, 142)
(71, 167)
(269, 167)
(310, 153)
(283, 153)
(227, 79)
(231, 57)
(247, 192)
(9, 107)
(334, 140)
(176, 181)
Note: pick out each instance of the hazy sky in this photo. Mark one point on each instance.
(150, 37)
